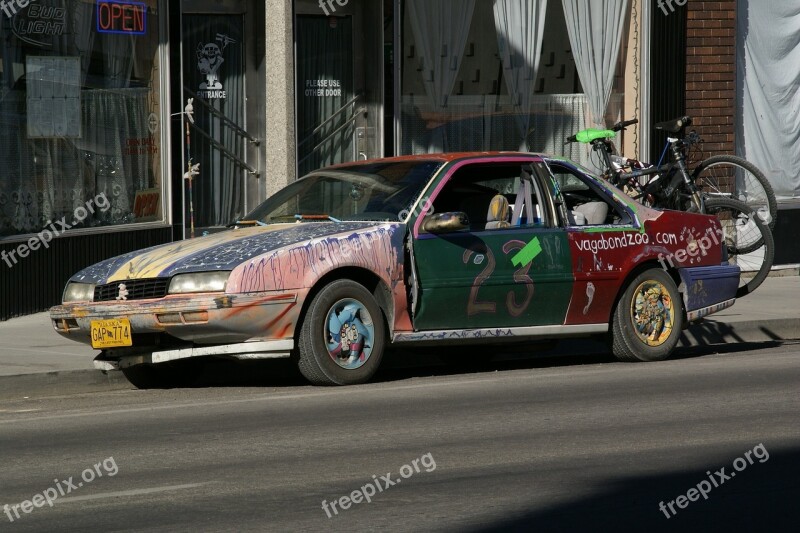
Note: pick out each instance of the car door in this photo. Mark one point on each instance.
(518, 273)
(604, 238)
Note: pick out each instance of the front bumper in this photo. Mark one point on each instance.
(243, 351)
(187, 320)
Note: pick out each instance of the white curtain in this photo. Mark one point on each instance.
(441, 28)
(768, 127)
(110, 118)
(117, 51)
(596, 29)
(118, 59)
(520, 30)
(83, 34)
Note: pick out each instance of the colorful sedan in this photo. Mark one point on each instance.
(425, 250)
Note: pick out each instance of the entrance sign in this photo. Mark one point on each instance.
(209, 59)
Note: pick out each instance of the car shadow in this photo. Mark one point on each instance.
(408, 363)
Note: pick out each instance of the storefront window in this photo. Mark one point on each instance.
(502, 75)
(80, 114)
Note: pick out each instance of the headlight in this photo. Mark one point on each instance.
(201, 282)
(78, 292)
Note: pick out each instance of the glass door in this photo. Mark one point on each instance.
(339, 85)
(220, 75)
(328, 107)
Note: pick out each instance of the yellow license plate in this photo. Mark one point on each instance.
(112, 333)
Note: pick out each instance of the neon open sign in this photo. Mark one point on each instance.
(121, 17)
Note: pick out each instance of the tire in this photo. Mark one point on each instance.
(322, 358)
(633, 337)
(170, 375)
(743, 236)
(716, 178)
(748, 240)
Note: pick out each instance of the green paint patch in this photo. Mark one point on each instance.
(605, 229)
(527, 254)
(611, 229)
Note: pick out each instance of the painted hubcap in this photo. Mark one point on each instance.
(653, 313)
(350, 333)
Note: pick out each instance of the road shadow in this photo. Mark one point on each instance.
(693, 352)
(761, 497)
(712, 332)
(708, 332)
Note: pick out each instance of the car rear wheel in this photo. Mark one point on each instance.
(648, 319)
(342, 337)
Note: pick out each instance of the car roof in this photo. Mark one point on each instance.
(443, 158)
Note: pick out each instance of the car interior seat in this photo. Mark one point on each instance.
(474, 205)
(576, 218)
(498, 213)
(595, 213)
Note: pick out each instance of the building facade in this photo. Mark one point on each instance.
(743, 90)
(127, 124)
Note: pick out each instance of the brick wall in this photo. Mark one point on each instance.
(711, 72)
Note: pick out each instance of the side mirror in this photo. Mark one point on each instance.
(445, 222)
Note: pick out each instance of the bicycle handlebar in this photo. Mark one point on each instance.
(619, 126)
(591, 135)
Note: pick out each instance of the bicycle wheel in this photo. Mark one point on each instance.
(728, 176)
(748, 240)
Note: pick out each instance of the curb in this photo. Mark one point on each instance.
(708, 332)
(58, 383)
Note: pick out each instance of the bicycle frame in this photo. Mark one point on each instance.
(668, 195)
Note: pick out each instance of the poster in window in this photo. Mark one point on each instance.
(53, 96)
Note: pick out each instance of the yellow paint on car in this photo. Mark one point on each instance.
(151, 264)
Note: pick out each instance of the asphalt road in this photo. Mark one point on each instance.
(571, 444)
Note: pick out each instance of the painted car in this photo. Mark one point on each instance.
(424, 250)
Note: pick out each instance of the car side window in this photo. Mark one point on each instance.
(586, 205)
(489, 194)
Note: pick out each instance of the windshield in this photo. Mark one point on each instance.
(381, 191)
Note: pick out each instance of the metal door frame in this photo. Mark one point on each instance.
(364, 81)
(254, 113)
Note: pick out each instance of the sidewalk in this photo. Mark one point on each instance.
(31, 352)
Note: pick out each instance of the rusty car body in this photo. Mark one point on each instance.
(434, 249)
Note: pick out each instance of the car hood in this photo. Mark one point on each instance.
(218, 251)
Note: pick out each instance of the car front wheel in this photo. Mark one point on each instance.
(648, 319)
(342, 337)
